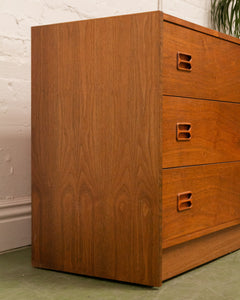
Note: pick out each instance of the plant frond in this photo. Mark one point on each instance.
(225, 16)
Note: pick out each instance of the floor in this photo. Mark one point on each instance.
(218, 280)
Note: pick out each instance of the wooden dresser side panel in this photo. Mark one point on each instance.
(96, 97)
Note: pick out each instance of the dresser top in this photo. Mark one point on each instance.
(195, 27)
(166, 18)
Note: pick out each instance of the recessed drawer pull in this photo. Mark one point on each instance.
(184, 62)
(184, 131)
(184, 201)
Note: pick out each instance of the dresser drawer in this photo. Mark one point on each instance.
(214, 64)
(199, 200)
(209, 131)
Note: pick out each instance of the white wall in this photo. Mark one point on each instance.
(16, 18)
(196, 11)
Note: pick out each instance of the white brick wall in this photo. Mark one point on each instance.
(16, 18)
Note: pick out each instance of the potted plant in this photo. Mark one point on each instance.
(226, 16)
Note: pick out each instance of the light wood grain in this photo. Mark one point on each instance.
(196, 27)
(215, 132)
(186, 256)
(215, 65)
(215, 201)
(102, 131)
(96, 96)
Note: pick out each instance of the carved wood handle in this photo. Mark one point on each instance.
(184, 131)
(184, 201)
(184, 62)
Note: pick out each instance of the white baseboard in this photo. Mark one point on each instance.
(15, 223)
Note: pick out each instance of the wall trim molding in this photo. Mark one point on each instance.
(15, 208)
(15, 223)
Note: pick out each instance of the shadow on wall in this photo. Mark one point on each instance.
(15, 163)
(15, 187)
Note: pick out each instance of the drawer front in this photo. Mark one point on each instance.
(198, 65)
(199, 132)
(213, 192)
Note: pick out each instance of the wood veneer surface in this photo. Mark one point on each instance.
(186, 256)
(199, 28)
(215, 65)
(215, 201)
(96, 142)
(96, 91)
(214, 127)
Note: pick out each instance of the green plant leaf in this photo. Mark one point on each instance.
(225, 16)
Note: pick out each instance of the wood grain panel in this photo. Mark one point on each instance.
(215, 131)
(96, 96)
(215, 65)
(215, 201)
(186, 256)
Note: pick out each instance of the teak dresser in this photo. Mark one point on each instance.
(135, 147)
